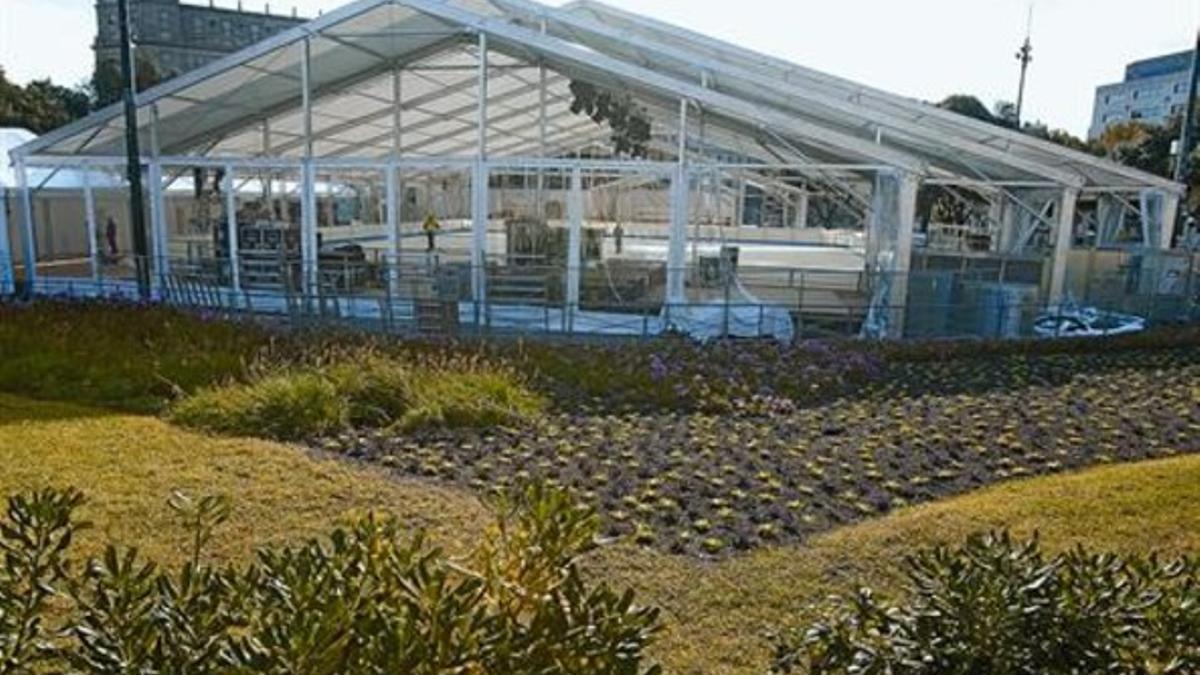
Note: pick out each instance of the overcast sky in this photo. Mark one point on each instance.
(922, 48)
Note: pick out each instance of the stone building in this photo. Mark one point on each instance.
(178, 37)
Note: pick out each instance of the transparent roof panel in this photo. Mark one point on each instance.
(754, 108)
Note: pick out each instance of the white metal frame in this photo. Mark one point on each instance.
(797, 110)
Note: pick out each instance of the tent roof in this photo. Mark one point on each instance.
(867, 105)
(754, 107)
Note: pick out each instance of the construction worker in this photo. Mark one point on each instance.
(431, 227)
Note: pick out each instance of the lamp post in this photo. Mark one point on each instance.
(1025, 57)
(133, 160)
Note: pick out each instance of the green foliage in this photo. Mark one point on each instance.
(145, 358)
(130, 357)
(466, 392)
(368, 599)
(629, 122)
(285, 406)
(377, 387)
(34, 539)
(996, 605)
(41, 105)
(106, 85)
(364, 389)
(970, 106)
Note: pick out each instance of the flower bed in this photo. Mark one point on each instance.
(708, 484)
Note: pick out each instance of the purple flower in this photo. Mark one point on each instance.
(658, 369)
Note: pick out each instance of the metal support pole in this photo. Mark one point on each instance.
(308, 210)
(28, 242)
(677, 245)
(1170, 215)
(479, 225)
(6, 263)
(906, 198)
(393, 231)
(479, 192)
(740, 205)
(1062, 246)
(268, 188)
(574, 245)
(231, 224)
(93, 230)
(483, 96)
(161, 264)
(396, 188)
(397, 113)
(133, 161)
(542, 135)
(802, 210)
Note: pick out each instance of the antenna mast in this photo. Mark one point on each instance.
(1025, 57)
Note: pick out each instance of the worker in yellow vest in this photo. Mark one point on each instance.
(431, 227)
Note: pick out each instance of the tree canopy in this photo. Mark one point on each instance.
(42, 105)
(1137, 144)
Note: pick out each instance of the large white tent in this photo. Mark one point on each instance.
(765, 194)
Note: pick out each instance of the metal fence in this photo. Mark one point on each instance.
(426, 295)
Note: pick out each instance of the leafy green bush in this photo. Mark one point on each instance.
(996, 605)
(368, 599)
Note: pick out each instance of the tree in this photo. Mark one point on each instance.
(1148, 147)
(1005, 114)
(41, 105)
(106, 85)
(965, 104)
(1143, 146)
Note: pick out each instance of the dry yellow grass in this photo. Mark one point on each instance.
(718, 613)
(127, 465)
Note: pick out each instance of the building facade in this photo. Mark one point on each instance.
(178, 37)
(1154, 91)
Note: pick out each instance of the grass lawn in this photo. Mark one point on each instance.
(128, 465)
(718, 611)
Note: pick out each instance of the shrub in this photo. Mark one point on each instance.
(129, 356)
(367, 599)
(363, 388)
(284, 406)
(996, 605)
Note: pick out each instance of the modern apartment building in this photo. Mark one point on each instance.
(1154, 91)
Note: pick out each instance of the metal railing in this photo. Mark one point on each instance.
(423, 294)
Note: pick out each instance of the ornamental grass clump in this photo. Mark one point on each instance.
(369, 598)
(461, 392)
(286, 406)
(997, 605)
(362, 389)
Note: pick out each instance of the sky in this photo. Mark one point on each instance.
(926, 49)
